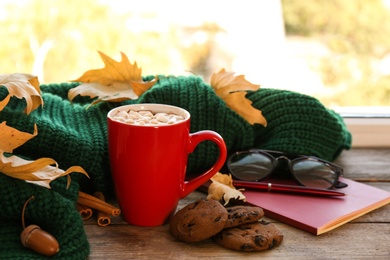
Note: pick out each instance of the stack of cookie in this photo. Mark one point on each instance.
(237, 227)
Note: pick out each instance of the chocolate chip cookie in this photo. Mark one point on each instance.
(238, 215)
(199, 220)
(256, 236)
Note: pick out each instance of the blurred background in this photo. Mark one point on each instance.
(335, 50)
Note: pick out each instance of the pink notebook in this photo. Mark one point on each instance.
(316, 214)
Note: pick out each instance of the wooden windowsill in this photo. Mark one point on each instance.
(365, 237)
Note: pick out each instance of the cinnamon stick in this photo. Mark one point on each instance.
(95, 203)
(84, 211)
(103, 219)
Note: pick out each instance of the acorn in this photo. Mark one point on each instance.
(35, 238)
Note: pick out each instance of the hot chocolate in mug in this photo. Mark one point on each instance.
(149, 146)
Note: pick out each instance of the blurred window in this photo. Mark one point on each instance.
(335, 50)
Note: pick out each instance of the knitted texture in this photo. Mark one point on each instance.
(52, 210)
(72, 133)
(299, 124)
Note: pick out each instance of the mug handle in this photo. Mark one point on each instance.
(195, 139)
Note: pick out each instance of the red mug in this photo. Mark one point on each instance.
(148, 163)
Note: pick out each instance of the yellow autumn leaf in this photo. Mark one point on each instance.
(40, 171)
(116, 82)
(11, 138)
(21, 86)
(19, 168)
(50, 173)
(222, 189)
(232, 89)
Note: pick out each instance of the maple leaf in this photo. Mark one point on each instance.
(116, 82)
(21, 86)
(222, 189)
(232, 89)
(12, 138)
(40, 171)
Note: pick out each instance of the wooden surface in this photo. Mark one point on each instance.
(367, 237)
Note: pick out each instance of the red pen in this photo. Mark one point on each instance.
(264, 186)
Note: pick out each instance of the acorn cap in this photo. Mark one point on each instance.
(24, 236)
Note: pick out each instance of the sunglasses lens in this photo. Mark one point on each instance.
(314, 174)
(250, 166)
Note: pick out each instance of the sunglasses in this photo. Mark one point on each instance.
(256, 165)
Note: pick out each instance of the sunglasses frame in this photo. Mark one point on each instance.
(291, 161)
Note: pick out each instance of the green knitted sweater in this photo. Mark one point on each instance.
(74, 135)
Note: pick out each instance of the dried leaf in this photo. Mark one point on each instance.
(40, 171)
(116, 82)
(222, 189)
(50, 173)
(22, 86)
(232, 89)
(12, 138)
